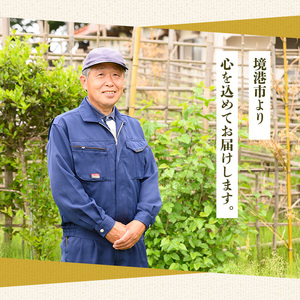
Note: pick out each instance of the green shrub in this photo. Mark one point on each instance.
(31, 95)
(187, 235)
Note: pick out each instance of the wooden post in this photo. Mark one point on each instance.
(104, 34)
(5, 30)
(98, 34)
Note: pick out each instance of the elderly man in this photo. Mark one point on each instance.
(103, 175)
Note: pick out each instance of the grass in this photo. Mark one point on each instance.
(14, 249)
(269, 264)
(17, 248)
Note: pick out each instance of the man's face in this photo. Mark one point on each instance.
(104, 86)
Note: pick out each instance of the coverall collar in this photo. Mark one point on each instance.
(88, 114)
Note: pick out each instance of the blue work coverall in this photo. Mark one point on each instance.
(97, 180)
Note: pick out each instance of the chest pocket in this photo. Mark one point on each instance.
(136, 158)
(91, 162)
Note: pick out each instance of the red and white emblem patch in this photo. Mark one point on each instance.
(95, 175)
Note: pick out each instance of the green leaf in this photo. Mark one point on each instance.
(208, 162)
(182, 247)
(168, 207)
(169, 173)
(175, 266)
(163, 166)
(149, 129)
(187, 112)
(256, 195)
(175, 256)
(229, 254)
(191, 242)
(167, 258)
(185, 138)
(197, 265)
(194, 255)
(266, 192)
(220, 256)
(211, 235)
(200, 223)
(208, 209)
(203, 214)
(208, 262)
(184, 267)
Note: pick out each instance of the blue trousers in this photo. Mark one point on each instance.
(80, 245)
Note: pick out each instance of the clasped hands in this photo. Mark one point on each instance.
(125, 236)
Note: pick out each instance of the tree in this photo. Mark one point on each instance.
(30, 97)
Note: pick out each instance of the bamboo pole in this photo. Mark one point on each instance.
(46, 37)
(242, 87)
(274, 100)
(256, 221)
(208, 75)
(288, 167)
(8, 180)
(71, 40)
(130, 61)
(170, 48)
(134, 68)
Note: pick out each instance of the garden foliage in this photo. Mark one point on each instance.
(31, 96)
(187, 235)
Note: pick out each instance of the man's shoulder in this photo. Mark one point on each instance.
(130, 119)
(132, 122)
(134, 128)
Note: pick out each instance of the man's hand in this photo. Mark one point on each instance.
(116, 232)
(134, 231)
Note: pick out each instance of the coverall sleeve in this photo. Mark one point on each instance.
(149, 201)
(68, 193)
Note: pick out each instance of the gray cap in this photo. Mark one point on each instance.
(104, 55)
